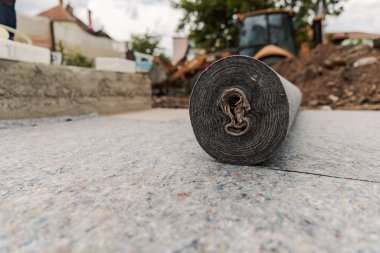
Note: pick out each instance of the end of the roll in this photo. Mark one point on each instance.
(239, 110)
(234, 103)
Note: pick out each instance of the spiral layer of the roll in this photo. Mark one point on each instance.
(241, 110)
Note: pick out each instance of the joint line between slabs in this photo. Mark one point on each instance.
(323, 175)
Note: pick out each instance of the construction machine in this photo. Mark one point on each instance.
(266, 35)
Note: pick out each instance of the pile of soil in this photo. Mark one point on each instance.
(170, 102)
(335, 76)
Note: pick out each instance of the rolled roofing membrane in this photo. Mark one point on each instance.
(241, 110)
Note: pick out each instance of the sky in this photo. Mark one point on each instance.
(359, 16)
(122, 18)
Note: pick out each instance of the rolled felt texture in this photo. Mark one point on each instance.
(241, 110)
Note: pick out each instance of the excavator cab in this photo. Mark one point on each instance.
(267, 35)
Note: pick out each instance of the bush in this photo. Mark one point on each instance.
(78, 59)
(74, 59)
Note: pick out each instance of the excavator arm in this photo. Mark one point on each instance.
(320, 13)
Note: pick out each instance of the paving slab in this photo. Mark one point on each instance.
(127, 184)
(340, 144)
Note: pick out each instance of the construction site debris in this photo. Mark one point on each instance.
(365, 61)
(329, 76)
(339, 77)
(170, 102)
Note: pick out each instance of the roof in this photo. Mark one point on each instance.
(57, 13)
(266, 11)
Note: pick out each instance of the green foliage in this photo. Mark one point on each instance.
(145, 43)
(165, 58)
(211, 25)
(79, 60)
(211, 21)
(356, 42)
(306, 9)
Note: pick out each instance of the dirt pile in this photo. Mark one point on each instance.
(339, 77)
(170, 102)
(333, 76)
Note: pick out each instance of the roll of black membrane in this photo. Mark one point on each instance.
(241, 110)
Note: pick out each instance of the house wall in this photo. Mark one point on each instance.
(74, 39)
(37, 28)
(179, 48)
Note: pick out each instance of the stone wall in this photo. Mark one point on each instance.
(30, 90)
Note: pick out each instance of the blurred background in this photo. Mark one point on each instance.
(328, 48)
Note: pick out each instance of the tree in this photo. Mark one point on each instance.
(148, 44)
(211, 26)
(165, 58)
(145, 43)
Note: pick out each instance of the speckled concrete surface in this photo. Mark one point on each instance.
(115, 184)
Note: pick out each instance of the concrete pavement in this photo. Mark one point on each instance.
(126, 183)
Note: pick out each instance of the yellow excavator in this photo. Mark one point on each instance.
(269, 35)
(266, 35)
